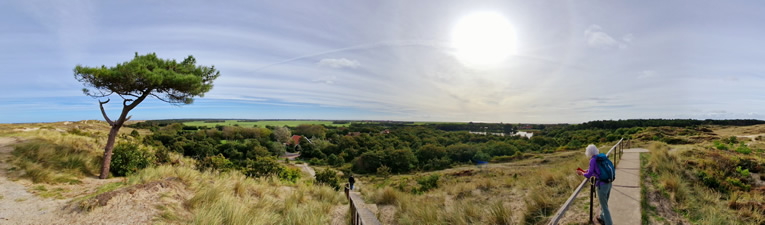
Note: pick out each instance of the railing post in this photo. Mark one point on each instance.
(592, 192)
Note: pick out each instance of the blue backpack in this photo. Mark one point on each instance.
(606, 167)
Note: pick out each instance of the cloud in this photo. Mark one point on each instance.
(327, 80)
(646, 74)
(339, 63)
(596, 38)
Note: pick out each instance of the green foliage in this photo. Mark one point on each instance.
(480, 156)
(720, 146)
(744, 173)
(290, 174)
(743, 149)
(217, 162)
(427, 183)
(147, 74)
(328, 177)
(263, 166)
(127, 159)
(333, 160)
(383, 171)
(135, 134)
(311, 131)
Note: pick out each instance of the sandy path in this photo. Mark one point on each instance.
(307, 169)
(17, 205)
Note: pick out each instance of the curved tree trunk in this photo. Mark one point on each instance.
(108, 152)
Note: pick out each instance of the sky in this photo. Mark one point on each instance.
(571, 61)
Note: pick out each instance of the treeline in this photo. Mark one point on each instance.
(364, 147)
(616, 124)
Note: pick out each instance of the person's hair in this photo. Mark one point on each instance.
(591, 151)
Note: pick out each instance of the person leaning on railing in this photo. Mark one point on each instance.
(604, 188)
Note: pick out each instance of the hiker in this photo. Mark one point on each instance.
(351, 180)
(604, 186)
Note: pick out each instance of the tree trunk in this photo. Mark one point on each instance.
(108, 152)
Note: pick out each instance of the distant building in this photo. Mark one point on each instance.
(386, 131)
(296, 139)
(354, 134)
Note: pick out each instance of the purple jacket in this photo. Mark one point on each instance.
(593, 170)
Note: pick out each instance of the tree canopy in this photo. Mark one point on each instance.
(145, 75)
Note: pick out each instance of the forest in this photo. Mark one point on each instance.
(383, 147)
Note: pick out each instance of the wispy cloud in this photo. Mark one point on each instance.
(597, 38)
(339, 63)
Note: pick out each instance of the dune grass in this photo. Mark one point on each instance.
(233, 198)
(523, 192)
(673, 176)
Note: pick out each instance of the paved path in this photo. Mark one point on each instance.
(624, 202)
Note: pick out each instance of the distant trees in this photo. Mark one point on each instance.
(282, 134)
(135, 80)
(309, 130)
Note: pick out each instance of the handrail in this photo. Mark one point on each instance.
(559, 214)
(360, 215)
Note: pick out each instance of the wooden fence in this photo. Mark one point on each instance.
(360, 215)
(619, 147)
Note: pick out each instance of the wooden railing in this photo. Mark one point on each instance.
(619, 147)
(360, 215)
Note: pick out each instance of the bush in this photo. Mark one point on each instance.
(263, 166)
(217, 162)
(744, 172)
(290, 174)
(127, 159)
(427, 183)
(135, 134)
(743, 149)
(328, 177)
(720, 146)
(383, 171)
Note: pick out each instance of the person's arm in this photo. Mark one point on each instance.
(591, 171)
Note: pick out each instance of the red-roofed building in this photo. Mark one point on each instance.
(296, 139)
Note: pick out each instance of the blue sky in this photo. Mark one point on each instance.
(574, 61)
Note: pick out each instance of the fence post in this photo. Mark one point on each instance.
(592, 192)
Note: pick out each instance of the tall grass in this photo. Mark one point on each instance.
(233, 198)
(689, 196)
(56, 160)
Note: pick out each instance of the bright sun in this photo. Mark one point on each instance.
(483, 39)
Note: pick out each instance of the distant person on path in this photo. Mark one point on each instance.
(604, 186)
(351, 181)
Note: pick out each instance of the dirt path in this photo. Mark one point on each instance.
(17, 205)
(20, 206)
(307, 169)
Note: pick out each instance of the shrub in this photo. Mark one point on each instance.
(743, 149)
(127, 159)
(383, 171)
(744, 172)
(290, 174)
(263, 166)
(217, 162)
(316, 162)
(720, 146)
(328, 177)
(135, 134)
(427, 183)
(333, 160)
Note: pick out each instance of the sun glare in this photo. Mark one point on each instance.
(483, 39)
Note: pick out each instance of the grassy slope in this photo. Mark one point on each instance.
(505, 193)
(674, 193)
(64, 154)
